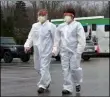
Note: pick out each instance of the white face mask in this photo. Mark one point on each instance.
(67, 19)
(42, 19)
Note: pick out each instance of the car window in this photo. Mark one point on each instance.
(7, 41)
(107, 28)
(94, 27)
(85, 28)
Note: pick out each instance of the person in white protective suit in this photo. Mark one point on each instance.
(70, 41)
(41, 37)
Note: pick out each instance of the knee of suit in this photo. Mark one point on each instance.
(76, 69)
(44, 68)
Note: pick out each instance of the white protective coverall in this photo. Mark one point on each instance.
(71, 40)
(41, 37)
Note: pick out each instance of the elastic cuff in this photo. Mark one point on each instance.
(68, 88)
(26, 46)
(41, 86)
(76, 84)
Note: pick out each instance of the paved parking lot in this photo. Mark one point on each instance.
(20, 79)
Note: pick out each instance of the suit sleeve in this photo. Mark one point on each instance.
(57, 40)
(29, 41)
(53, 32)
(81, 39)
(57, 37)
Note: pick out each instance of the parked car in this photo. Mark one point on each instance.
(9, 50)
(88, 52)
(95, 40)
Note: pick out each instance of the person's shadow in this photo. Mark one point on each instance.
(67, 95)
(77, 94)
(46, 93)
(70, 95)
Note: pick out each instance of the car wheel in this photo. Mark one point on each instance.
(8, 57)
(57, 58)
(86, 58)
(25, 57)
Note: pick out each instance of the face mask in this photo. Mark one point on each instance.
(42, 19)
(67, 19)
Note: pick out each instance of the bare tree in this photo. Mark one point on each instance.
(52, 7)
(8, 10)
(35, 8)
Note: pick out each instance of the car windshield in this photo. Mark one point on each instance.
(7, 41)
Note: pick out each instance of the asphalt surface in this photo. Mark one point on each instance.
(20, 79)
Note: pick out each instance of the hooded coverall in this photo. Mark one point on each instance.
(70, 41)
(41, 37)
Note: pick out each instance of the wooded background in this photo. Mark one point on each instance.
(17, 17)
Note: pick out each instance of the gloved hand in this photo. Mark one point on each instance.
(54, 51)
(27, 49)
